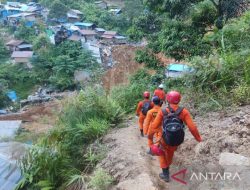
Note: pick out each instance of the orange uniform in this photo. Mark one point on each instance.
(140, 114)
(151, 115)
(160, 93)
(166, 160)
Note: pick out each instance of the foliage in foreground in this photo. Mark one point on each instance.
(64, 151)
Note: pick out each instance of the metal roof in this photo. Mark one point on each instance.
(178, 67)
(24, 46)
(22, 54)
(83, 24)
(100, 29)
(87, 32)
(9, 128)
(10, 175)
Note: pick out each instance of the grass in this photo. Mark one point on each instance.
(100, 180)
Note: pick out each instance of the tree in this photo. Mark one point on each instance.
(3, 51)
(58, 10)
(57, 64)
(227, 9)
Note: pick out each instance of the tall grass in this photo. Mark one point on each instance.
(63, 154)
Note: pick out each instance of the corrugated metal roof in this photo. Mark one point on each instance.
(10, 175)
(178, 67)
(25, 46)
(9, 128)
(83, 24)
(87, 32)
(111, 33)
(22, 54)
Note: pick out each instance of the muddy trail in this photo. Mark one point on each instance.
(133, 169)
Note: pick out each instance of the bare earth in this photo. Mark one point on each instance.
(133, 169)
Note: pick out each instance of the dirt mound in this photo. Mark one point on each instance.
(124, 66)
(128, 162)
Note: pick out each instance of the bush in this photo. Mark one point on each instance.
(100, 180)
(63, 154)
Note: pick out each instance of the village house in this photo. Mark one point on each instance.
(74, 15)
(22, 57)
(85, 25)
(89, 35)
(18, 45)
(100, 31)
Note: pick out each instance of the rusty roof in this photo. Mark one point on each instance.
(14, 42)
(87, 32)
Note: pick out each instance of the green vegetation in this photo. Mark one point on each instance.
(3, 51)
(56, 64)
(63, 154)
(217, 48)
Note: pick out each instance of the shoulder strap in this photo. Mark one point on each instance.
(178, 111)
(171, 109)
(164, 111)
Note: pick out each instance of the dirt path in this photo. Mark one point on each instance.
(128, 161)
(133, 169)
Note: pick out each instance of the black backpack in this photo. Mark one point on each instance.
(146, 107)
(173, 127)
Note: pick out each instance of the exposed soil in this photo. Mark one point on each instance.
(36, 118)
(133, 169)
(124, 66)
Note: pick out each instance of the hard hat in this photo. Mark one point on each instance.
(155, 150)
(161, 86)
(156, 100)
(173, 97)
(146, 94)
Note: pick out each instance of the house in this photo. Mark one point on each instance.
(7, 11)
(120, 40)
(108, 36)
(85, 25)
(100, 31)
(12, 45)
(89, 35)
(175, 70)
(26, 16)
(101, 4)
(18, 45)
(22, 57)
(75, 38)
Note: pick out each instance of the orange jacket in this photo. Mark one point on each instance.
(151, 115)
(160, 93)
(140, 104)
(184, 116)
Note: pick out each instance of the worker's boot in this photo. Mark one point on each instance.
(165, 174)
(142, 135)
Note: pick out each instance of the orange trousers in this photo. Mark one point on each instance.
(141, 121)
(155, 140)
(166, 160)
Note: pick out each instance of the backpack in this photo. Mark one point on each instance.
(173, 127)
(146, 107)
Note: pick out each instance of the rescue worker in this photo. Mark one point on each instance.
(160, 93)
(142, 108)
(165, 159)
(151, 115)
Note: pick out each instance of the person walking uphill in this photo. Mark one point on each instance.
(170, 121)
(151, 115)
(142, 108)
(160, 93)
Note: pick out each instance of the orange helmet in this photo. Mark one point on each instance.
(173, 97)
(146, 94)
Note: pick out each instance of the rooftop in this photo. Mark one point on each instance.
(14, 42)
(178, 67)
(83, 24)
(22, 54)
(87, 32)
